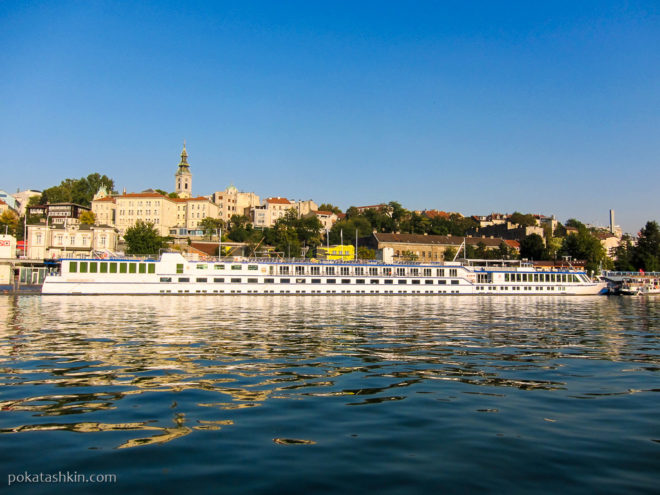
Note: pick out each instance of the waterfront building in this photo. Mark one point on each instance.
(344, 252)
(183, 176)
(72, 240)
(507, 230)
(105, 210)
(430, 247)
(270, 211)
(8, 199)
(231, 202)
(23, 198)
(190, 212)
(327, 218)
(58, 213)
(148, 207)
(382, 206)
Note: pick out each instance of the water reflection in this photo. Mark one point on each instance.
(79, 357)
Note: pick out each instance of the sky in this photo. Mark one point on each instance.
(469, 106)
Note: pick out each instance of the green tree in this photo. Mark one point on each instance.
(532, 247)
(365, 253)
(572, 222)
(87, 218)
(80, 191)
(9, 222)
(584, 246)
(523, 220)
(143, 238)
(211, 225)
(173, 195)
(624, 255)
(647, 252)
(330, 207)
(449, 253)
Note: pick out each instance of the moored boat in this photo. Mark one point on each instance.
(173, 274)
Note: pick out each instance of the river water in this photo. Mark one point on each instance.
(336, 394)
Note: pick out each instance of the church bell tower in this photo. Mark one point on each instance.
(183, 177)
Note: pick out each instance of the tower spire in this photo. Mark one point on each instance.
(183, 177)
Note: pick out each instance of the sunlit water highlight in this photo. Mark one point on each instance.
(334, 394)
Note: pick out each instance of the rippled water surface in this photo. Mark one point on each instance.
(334, 394)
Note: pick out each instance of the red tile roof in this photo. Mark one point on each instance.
(280, 201)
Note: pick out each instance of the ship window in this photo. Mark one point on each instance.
(315, 270)
(401, 272)
(389, 282)
(218, 280)
(428, 282)
(219, 267)
(373, 271)
(416, 282)
(253, 267)
(345, 280)
(201, 279)
(331, 281)
(235, 267)
(414, 272)
(73, 266)
(300, 281)
(269, 281)
(536, 277)
(184, 279)
(179, 268)
(252, 281)
(427, 272)
(442, 282)
(506, 277)
(151, 268)
(284, 270)
(285, 280)
(132, 268)
(103, 267)
(453, 272)
(403, 282)
(93, 267)
(454, 282)
(359, 271)
(201, 266)
(344, 270)
(113, 267)
(440, 272)
(165, 279)
(316, 280)
(329, 270)
(359, 281)
(374, 281)
(142, 268)
(300, 270)
(235, 280)
(83, 267)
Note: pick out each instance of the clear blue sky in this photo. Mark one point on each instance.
(542, 107)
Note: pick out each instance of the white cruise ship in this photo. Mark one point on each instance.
(174, 275)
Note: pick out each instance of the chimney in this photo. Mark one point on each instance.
(611, 221)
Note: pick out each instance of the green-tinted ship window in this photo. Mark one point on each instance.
(103, 267)
(93, 267)
(122, 268)
(132, 267)
(143, 268)
(73, 266)
(236, 267)
(151, 268)
(179, 268)
(219, 267)
(83, 267)
(113, 267)
(201, 266)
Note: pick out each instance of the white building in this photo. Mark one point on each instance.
(70, 241)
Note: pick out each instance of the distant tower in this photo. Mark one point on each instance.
(183, 177)
(612, 221)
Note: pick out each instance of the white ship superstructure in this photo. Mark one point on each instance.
(175, 275)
